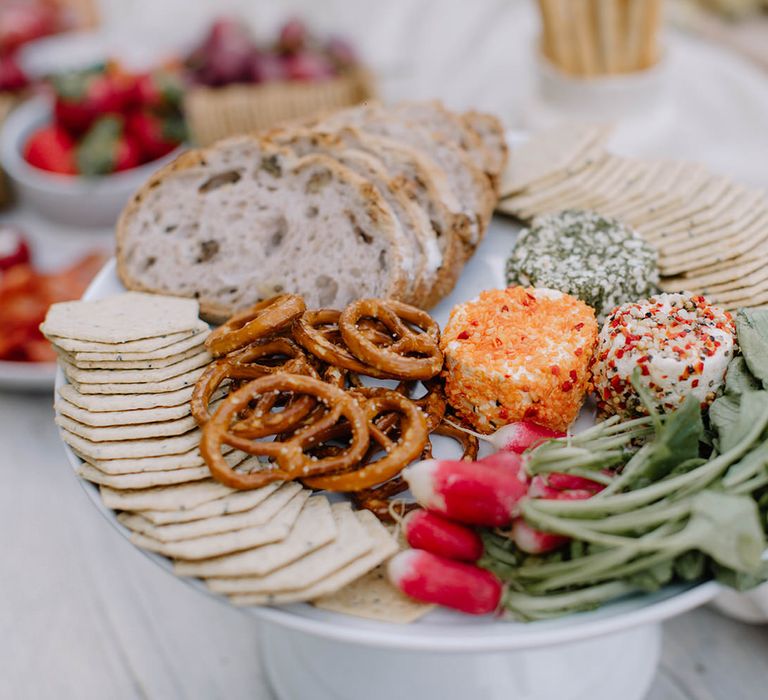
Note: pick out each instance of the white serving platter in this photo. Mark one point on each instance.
(337, 647)
(27, 376)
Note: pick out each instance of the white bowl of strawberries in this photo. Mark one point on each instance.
(77, 158)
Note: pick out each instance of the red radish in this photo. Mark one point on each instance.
(13, 248)
(507, 460)
(540, 488)
(534, 541)
(470, 492)
(305, 65)
(436, 534)
(566, 482)
(517, 437)
(51, 148)
(434, 579)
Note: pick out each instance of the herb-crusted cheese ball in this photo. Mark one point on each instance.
(514, 354)
(681, 344)
(596, 259)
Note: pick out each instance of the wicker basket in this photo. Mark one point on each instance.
(214, 113)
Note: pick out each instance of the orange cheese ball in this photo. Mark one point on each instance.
(518, 354)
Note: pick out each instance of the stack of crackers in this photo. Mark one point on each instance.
(711, 233)
(132, 361)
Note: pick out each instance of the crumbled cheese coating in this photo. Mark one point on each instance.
(518, 354)
(681, 343)
(596, 259)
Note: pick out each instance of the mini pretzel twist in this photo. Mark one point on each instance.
(318, 333)
(399, 452)
(289, 455)
(410, 354)
(268, 317)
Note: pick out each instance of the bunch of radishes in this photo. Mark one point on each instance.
(458, 496)
(229, 54)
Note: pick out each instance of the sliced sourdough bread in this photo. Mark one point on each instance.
(491, 131)
(351, 149)
(244, 220)
(469, 184)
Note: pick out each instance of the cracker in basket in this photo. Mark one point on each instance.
(217, 545)
(259, 514)
(384, 546)
(127, 432)
(126, 402)
(135, 376)
(549, 154)
(374, 598)
(251, 572)
(183, 381)
(314, 528)
(235, 502)
(125, 317)
(165, 498)
(130, 449)
(124, 362)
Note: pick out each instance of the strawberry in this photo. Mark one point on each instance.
(160, 89)
(106, 148)
(51, 148)
(84, 96)
(154, 135)
(11, 76)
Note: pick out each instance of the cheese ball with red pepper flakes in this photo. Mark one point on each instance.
(681, 343)
(518, 353)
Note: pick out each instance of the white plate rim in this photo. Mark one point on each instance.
(448, 632)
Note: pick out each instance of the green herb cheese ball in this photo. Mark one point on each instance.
(597, 259)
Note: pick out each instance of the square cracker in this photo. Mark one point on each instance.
(548, 153)
(250, 572)
(131, 417)
(142, 480)
(235, 502)
(118, 433)
(374, 598)
(183, 381)
(125, 317)
(126, 362)
(384, 546)
(145, 345)
(130, 449)
(276, 530)
(136, 465)
(315, 527)
(117, 353)
(259, 514)
(135, 376)
(126, 402)
(165, 498)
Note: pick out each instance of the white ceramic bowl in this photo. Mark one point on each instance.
(66, 199)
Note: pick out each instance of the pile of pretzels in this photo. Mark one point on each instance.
(293, 395)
